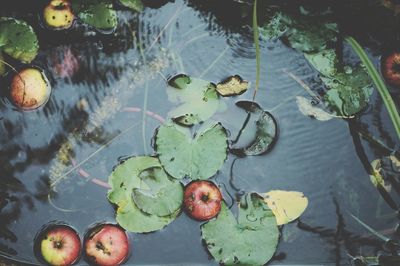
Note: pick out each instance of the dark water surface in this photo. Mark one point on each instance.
(322, 159)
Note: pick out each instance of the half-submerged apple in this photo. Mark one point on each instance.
(29, 89)
(58, 15)
(106, 245)
(202, 200)
(59, 245)
(390, 67)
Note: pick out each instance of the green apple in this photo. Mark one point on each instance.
(58, 15)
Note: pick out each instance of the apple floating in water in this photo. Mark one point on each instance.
(58, 15)
(390, 68)
(106, 245)
(60, 245)
(29, 89)
(202, 200)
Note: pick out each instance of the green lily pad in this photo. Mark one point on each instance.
(266, 131)
(135, 5)
(164, 196)
(197, 158)
(99, 14)
(198, 100)
(123, 181)
(250, 240)
(349, 92)
(232, 86)
(276, 27)
(18, 40)
(325, 62)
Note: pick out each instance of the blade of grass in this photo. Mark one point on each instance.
(257, 45)
(374, 232)
(379, 83)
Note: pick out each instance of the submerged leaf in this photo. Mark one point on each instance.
(123, 181)
(198, 100)
(287, 206)
(18, 40)
(96, 13)
(266, 130)
(307, 109)
(325, 62)
(164, 196)
(135, 5)
(231, 86)
(197, 158)
(249, 240)
(349, 91)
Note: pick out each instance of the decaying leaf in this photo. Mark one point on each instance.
(287, 206)
(197, 158)
(251, 239)
(325, 62)
(135, 5)
(306, 108)
(231, 86)
(99, 14)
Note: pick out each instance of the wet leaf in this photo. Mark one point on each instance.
(18, 40)
(349, 91)
(276, 27)
(306, 108)
(2, 65)
(135, 5)
(198, 100)
(325, 62)
(249, 240)
(197, 158)
(123, 181)
(266, 130)
(96, 13)
(287, 206)
(164, 196)
(232, 86)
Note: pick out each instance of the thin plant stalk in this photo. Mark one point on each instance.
(379, 83)
(257, 45)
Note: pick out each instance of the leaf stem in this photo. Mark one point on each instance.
(257, 45)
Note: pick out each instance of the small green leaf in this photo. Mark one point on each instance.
(232, 86)
(164, 196)
(184, 156)
(2, 65)
(18, 40)
(250, 240)
(198, 100)
(325, 62)
(135, 5)
(96, 13)
(123, 181)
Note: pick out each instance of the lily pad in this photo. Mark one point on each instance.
(287, 206)
(123, 181)
(249, 240)
(135, 5)
(198, 100)
(307, 109)
(18, 40)
(197, 158)
(349, 91)
(325, 62)
(232, 86)
(164, 196)
(266, 131)
(99, 14)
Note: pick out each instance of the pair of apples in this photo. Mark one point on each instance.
(108, 244)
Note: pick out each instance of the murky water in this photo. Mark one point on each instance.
(117, 76)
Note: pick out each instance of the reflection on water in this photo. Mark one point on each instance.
(102, 84)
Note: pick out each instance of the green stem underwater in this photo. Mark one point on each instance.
(257, 45)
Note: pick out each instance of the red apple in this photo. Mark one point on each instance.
(106, 245)
(60, 245)
(202, 200)
(58, 15)
(390, 67)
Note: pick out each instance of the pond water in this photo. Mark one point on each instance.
(98, 110)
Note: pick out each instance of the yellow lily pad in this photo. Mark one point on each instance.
(287, 206)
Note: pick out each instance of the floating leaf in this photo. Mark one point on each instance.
(276, 27)
(266, 133)
(325, 62)
(198, 98)
(135, 5)
(123, 181)
(307, 109)
(197, 158)
(231, 86)
(164, 196)
(287, 206)
(96, 13)
(349, 91)
(2, 65)
(18, 40)
(249, 240)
